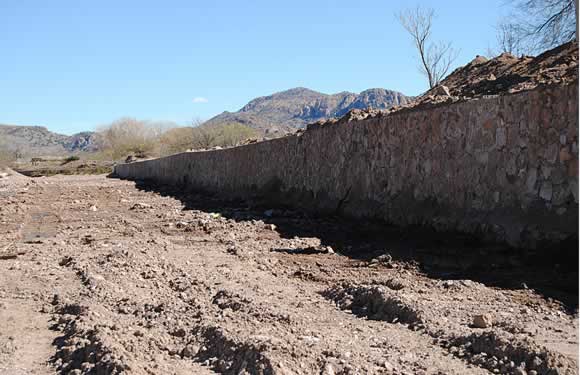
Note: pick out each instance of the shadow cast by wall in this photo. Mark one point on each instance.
(551, 271)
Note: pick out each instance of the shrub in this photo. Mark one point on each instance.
(202, 137)
(128, 136)
(70, 159)
(131, 136)
(233, 134)
(176, 140)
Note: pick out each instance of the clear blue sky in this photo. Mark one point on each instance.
(74, 65)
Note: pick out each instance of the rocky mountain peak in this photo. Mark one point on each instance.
(294, 108)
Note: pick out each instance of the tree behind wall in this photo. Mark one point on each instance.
(203, 137)
(435, 58)
(234, 133)
(537, 25)
(131, 136)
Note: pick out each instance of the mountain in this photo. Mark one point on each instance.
(39, 141)
(272, 115)
(293, 109)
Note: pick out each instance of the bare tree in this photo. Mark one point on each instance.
(537, 25)
(196, 122)
(555, 20)
(130, 136)
(204, 137)
(178, 139)
(233, 133)
(435, 58)
(508, 39)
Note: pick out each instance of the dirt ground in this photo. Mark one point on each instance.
(103, 276)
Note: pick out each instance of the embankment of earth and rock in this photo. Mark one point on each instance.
(503, 165)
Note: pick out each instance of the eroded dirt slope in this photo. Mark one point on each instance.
(99, 276)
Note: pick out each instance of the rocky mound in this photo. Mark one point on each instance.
(504, 74)
(508, 74)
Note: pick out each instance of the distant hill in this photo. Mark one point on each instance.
(292, 109)
(39, 141)
(272, 116)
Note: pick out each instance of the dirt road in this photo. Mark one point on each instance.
(100, 276)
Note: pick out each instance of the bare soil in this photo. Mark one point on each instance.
(102, 276)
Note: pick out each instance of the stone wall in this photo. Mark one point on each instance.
(505, 168)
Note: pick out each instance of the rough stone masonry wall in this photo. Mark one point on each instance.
(505, 168)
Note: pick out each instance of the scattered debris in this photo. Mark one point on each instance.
(140, 206)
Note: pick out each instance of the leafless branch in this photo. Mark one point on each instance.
(435, 58)
(509, 39)
(536, 25)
